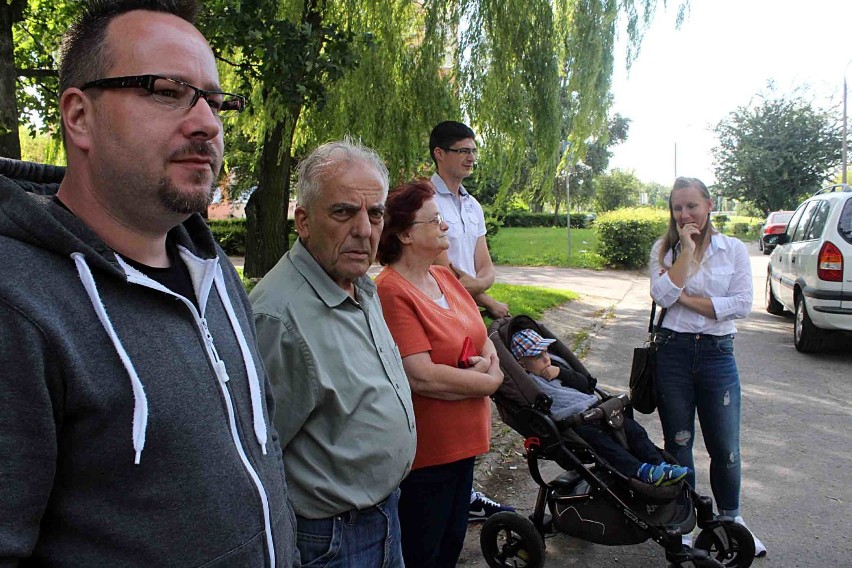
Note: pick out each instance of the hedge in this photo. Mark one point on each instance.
(231, 235)
(526, 219)
(625, 236)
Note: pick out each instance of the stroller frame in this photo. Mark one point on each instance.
(512, 540)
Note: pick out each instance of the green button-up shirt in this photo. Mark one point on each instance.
(343, 404)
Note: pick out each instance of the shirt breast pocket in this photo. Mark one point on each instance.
(720, 280)
(471, 219)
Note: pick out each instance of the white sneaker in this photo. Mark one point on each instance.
(759, 549)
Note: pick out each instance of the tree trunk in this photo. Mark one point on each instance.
(10, 145)
(267, 228)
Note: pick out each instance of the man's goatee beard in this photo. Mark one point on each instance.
(183, 201)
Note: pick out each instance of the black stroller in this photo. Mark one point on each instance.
(591, 500)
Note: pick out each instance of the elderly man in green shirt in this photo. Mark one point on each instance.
(346, 422)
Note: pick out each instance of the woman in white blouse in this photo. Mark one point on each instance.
(704, 279)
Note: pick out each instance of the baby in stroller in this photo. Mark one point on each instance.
(604, 493)
(573, 393)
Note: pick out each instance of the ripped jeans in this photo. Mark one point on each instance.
(698, 372)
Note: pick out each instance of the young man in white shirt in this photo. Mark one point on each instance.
(453, 149)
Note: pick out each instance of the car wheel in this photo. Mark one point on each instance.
(759, 244)
(767, 249)
(773, 306)
(807, 337)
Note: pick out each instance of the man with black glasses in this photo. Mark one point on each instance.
(135, 416)
(453, 149)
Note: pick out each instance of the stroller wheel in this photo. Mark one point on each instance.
(509, 540)
(730, 543)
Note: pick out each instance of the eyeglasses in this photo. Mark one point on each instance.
(436, 220)
(174, 93)
(464, 151)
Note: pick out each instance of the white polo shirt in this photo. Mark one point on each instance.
(466, 221)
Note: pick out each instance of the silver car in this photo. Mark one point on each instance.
(810, 270)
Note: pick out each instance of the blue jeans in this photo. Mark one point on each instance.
(698, 372)
(626, 462)
(365, 538)
(433, 512)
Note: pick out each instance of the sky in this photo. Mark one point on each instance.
(685, 81)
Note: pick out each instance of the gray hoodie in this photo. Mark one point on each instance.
(134, 430)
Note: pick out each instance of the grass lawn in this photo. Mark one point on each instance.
(529, 300)
(545, 246)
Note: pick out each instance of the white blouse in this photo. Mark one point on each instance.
(724, 276)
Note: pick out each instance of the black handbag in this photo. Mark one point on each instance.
(643, 388)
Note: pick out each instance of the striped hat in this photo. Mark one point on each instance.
(528, 343)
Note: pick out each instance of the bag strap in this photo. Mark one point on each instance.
(654, 313)
(652, 329)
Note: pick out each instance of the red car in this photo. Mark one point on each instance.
(775, 223)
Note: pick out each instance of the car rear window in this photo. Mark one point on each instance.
(778, 218)
(844, 227)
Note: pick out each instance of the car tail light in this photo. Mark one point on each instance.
(830, 263)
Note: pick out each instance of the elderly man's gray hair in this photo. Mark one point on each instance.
(326, 159)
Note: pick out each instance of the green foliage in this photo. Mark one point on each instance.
(616, 189)
(249, 283)
(400, 88)
(594, 163)
(545, 246)
(776, 151)
(231, 235)
(36, 38)
(492, 227)
(526, 219)
(720, 221)
(625, 236)
(41, 148)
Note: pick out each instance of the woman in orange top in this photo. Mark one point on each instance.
(430, 315)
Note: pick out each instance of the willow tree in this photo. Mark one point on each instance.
(387, 70)
(401, 87)
(532, 77)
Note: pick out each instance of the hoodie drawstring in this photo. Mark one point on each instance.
(140, 401)
(248, 361)
(140, 406)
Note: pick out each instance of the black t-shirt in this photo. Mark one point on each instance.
(176, 277)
